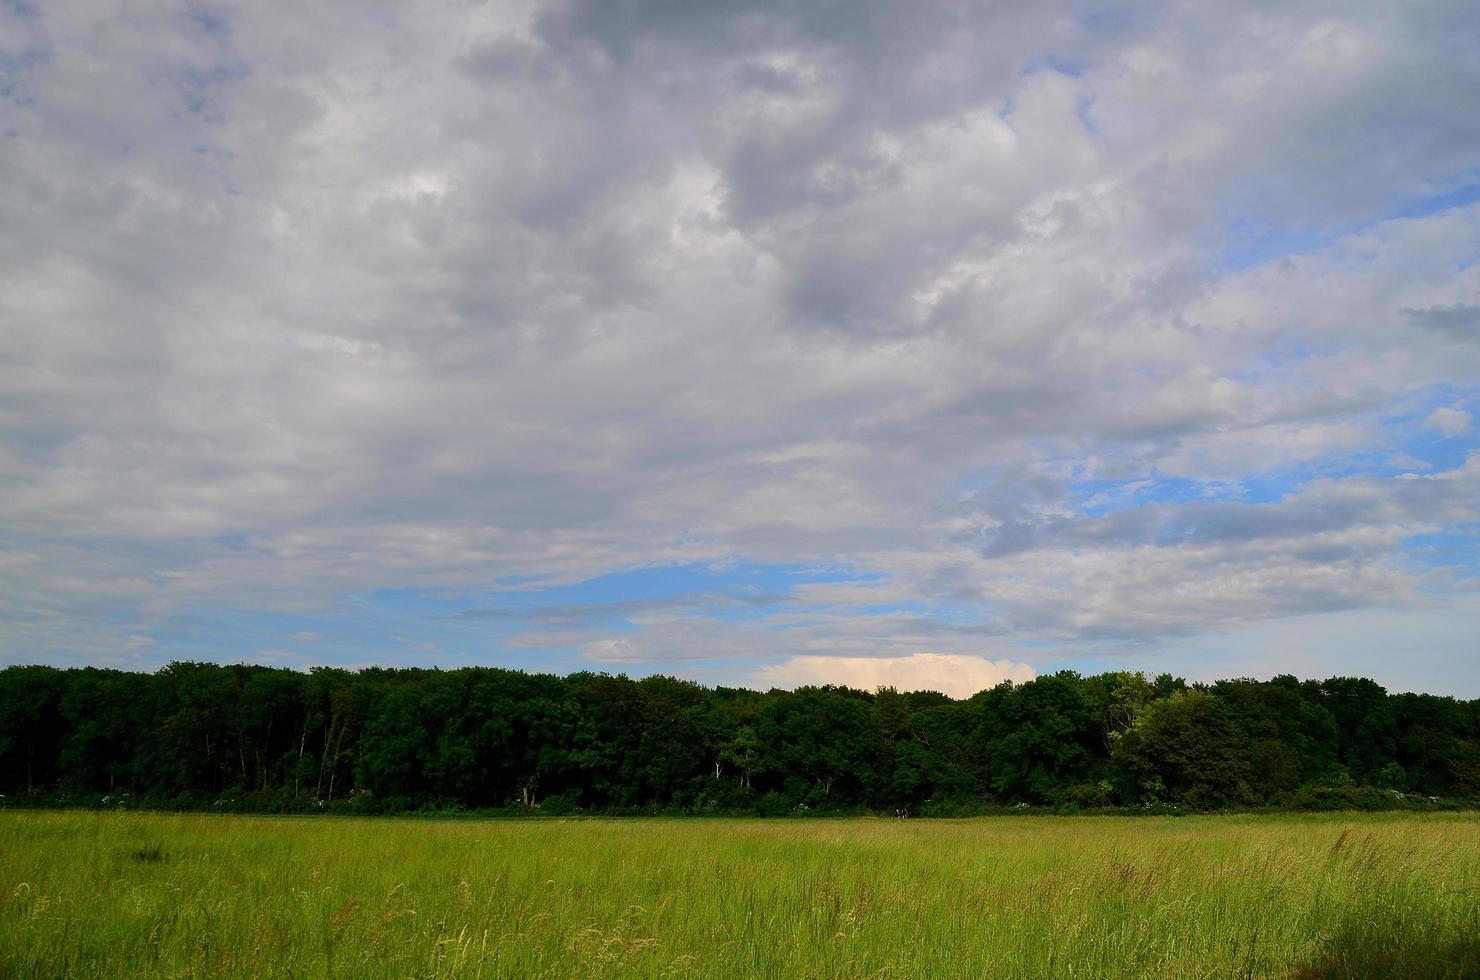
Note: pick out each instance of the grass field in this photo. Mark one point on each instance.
(130, 894)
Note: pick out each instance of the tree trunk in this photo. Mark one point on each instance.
(334, 766)
(265, 754)
(298, 769)
(318, 791)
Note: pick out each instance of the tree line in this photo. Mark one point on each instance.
(240, 737)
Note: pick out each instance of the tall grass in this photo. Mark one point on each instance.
(128, 894)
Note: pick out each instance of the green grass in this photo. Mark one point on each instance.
(130, 894)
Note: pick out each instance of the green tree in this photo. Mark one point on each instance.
(1189, 748)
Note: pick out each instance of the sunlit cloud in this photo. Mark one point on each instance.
(956, 675)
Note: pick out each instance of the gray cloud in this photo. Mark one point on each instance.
(560, 289)
(583, 614)
(1459, 321)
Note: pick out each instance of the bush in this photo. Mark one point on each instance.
(1352, 797)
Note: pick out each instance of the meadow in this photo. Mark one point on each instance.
(142, 894)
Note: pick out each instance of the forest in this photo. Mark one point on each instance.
(203, 736)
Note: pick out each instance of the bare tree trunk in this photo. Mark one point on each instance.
(265, 754)
(318, 791)
(334, 766)
(298, 769)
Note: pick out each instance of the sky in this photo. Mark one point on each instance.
(930, 344)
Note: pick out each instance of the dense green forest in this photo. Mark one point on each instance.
(205, 736)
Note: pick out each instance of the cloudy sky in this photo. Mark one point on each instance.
(758, 343)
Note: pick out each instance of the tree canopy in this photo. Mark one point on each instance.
(200, 735)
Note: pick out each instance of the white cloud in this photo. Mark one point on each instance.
(1450, 421)
(956, 675)
(299, 308)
